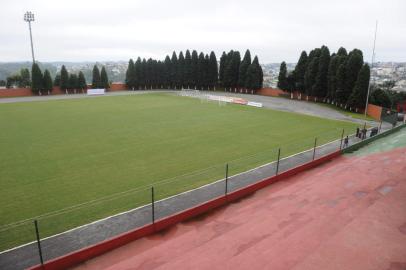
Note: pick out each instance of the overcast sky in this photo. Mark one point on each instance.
(274, 30)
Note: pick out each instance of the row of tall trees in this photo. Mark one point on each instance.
(195, 71)
(243, 74)
(70, 82)
(40, 82)
(100, 78)
(189, 70)
(340, 78)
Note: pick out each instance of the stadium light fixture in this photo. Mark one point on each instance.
(29, 17)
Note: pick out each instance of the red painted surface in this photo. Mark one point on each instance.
(270, 92)
(374, 111)
(350, 214)
(74, 258)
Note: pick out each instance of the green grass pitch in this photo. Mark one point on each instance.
(61, 153)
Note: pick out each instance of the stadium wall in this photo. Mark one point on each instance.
(26, 92)
(87, 253)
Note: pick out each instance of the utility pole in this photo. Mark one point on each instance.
(372, 64)
(29, 17)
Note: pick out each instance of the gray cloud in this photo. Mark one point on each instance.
(274, 30)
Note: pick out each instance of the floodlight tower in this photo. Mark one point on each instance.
(29, 17)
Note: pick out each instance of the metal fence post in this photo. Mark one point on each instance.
(153, 205)
(38, 242)
(226, 190)
(342, 137)
(380, 125)
(277, 163)
(314, 149)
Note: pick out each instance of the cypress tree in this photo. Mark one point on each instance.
(81, 81)
(320, 85)
(195, 68)
(354, 64)
(143, 74)
(129, 75)
(232, 69)
(254, 76)
(188, 80)
(96, 81)
(73, 82)
(138, 74)
(300, 71)
(167, 72)
(104, 79)
(341, 94)
(358, 96)
(47, 81)
(223, 60)
(174, 70)
(206, 71)
(282, 77)
(57, 80)
(181, 71)
(246, 62)
(64, 78)
(37, 79)
(310, 75)
(213, 70)
(201, 71)
(331, 77)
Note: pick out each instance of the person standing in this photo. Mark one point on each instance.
(346, 142)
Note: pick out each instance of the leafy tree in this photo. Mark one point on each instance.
(37, 79)
(73, 82)
(290, 81)
(13, 81)
(381, 98)
(104, 79)
(96, 80)
(47, 81)
(64, 78)
(213, 70)
(300, 71)
(358, 96)
(282, 78)
(81, 81)
(144, 74)
(25, 77)
(246, 62)
(2, 83)
(320, 85)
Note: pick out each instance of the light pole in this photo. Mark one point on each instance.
(372, 64)
(29, 17)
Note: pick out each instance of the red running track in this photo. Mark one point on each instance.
(346, 214)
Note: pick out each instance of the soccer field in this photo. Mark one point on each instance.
(64, 153)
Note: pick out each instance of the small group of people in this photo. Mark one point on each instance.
(361, 133)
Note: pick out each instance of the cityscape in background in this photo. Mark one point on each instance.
(381, 71)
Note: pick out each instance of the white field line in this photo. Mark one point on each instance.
(170, 197)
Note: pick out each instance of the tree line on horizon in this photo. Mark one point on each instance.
(340, 78)
(195, 71)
